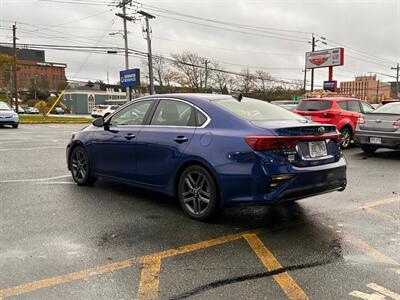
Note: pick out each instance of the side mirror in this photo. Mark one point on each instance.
(99, 122)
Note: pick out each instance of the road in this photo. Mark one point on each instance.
(110, 241)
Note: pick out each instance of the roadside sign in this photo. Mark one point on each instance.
(130, 77)
(330, 85)
(325, 58)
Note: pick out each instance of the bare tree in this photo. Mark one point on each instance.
(246, 82)
(190, 71)
(263, 83)
(219, 79)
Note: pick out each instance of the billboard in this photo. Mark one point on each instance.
(130, 77)
(330, 85)
(325, 58)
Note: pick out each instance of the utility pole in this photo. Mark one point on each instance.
(377, 91)
(397, 79)
(305, 80)
(15, 66)
(312, 70)
(206, 75)
(149, 54)
(124, 17)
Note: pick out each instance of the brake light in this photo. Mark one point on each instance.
(264, 143)
(396, 123)
(361, 120)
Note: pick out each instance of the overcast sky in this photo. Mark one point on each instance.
(368, 30)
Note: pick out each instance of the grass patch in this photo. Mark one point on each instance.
(31, 119)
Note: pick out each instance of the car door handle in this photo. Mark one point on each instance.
(181, 139)
(129, 136)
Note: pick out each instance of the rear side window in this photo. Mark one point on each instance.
(173, 113)
(314, 105)
(201, 118)
(366, 108)
(353, 106)
(256, 110)
(342, 105)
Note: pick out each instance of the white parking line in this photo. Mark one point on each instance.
(35, 179)
(25, 149)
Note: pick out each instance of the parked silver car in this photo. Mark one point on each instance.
(8, 116)
(379, 128)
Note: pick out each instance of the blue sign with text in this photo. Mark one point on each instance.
(130, 77)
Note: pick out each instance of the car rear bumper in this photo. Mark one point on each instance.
(303, 183)
(388, 139)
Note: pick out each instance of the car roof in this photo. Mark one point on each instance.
(333, 99)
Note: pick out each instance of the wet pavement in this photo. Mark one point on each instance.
(112, 241)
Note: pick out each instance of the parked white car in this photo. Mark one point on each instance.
(103, 110)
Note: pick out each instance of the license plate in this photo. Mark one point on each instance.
(375, 140)
(317, 149)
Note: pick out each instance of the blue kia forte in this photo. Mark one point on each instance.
(210, 151)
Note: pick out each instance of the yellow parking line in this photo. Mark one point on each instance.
(369, 250)
(40, 284)
(383, 215)
(149, 281)
(380, 202)
(196, 246)
(52, 281)
(286, 282)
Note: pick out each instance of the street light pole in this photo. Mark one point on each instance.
(312, 70)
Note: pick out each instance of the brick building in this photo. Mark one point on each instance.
(367, 88)
(34, 71)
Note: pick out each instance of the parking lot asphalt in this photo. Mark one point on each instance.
(111, 241)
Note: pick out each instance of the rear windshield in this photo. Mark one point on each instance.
(390, 108)
(101, 106)
(256, 110)
(314, 105)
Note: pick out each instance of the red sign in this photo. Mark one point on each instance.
(325, 58)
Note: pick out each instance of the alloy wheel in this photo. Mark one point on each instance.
(345, 138)
(79, 165)
(196, 192)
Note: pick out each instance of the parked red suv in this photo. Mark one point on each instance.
(342, 112)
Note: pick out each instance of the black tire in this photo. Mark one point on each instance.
(15, 126)
(345, 138)
(80, 167)
(369, 149)
(198, 193)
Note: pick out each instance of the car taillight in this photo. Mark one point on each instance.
(396, 123)
(265, 143)
(361, 120)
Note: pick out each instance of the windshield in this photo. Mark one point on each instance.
(4, 106)
(390, 108)
(314, 105)
(256, 110)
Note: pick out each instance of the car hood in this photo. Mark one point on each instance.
(8, 113)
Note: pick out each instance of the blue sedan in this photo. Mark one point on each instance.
(210, 151)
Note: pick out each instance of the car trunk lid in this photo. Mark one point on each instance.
(380, 122)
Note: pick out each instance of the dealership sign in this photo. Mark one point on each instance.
(130, 77)
(325, 58)
(330, 85)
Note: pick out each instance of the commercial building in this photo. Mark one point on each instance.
(33, 71)
(82, 98)
(367, 88)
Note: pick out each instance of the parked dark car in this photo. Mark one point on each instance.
(379, 128)
(341, 112)
(210, 151)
